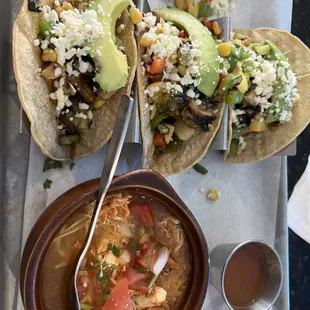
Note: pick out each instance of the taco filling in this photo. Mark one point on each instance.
(264, 99)
(182, 75)
(83, 61)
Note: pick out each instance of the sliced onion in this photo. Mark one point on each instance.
(124, 258)
(126, 230)
(145, 238)
(163, 256)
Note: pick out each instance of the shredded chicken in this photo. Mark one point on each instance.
(145, 301)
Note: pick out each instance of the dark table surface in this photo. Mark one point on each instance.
(299, 249)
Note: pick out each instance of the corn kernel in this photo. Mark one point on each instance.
(239, 42)
(244, 85)
(135, 16)
(59, 10)
(216, 28)
(258, 123)
(224, 49)
(98, 103)
(213, 194)
(146, 42)
(49, 54)
(181, 70)
(67, 6)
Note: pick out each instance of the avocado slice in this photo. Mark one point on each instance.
(200, 36)
(111, 63)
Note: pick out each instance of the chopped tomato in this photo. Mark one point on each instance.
(208, 24)
(119, 298)
(158, 65)
(221, 78)
(137, 281)
(159, 140)
(142, 214)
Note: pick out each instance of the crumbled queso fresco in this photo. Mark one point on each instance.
(69, 34)
(266, 76)
(165, 44)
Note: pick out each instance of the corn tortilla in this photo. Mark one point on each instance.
(33, 91)
(267, 143)
(191, 152)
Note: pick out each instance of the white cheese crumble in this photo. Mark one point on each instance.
(266, 75)
(74, 28)
(83, 106)
(81, 115)
(90, 114)
(120, 28)
(190, 93)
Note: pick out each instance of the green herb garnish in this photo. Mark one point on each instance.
(51, 164)
(157, 247)
(47, 183)
(147, 261)
(103, 278)
(106, 295)
(200, 169)
(114, 249)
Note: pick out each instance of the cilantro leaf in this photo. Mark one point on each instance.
(115, 250)
(106, 295)
(147, 261)
(157, 246)
(51, 164)
(103, 278)
(47, 183)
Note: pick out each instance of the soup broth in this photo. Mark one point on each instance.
(138, 259)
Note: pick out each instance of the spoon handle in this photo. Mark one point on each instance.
(109, 167)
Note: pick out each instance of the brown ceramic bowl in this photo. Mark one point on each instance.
(54, 217)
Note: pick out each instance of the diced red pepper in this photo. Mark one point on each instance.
(221, 78)
(182, 34)
(142, 214)
(208, 24)
(158, 65)
(159, 140)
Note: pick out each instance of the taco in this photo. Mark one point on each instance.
(71, 71)
(177, 78)
(271, 106)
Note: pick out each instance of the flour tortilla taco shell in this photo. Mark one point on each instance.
(191, 152)
(34, 93)
(267, 143)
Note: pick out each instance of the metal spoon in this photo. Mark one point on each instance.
(110, 163)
